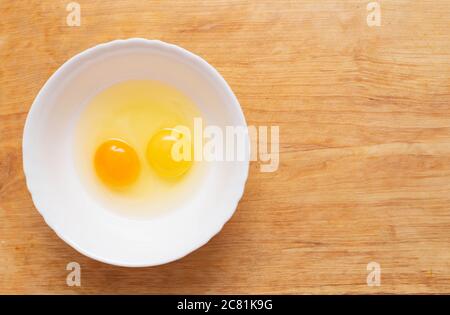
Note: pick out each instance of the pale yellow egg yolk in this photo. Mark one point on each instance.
(159, 154)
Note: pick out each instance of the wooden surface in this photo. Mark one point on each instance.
(364, 116)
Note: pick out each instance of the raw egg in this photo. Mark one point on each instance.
(123, 148)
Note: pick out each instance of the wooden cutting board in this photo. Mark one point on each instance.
(364, 118)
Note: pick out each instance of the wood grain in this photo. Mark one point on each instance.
(364, 116)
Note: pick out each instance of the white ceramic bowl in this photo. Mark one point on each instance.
(55, 186)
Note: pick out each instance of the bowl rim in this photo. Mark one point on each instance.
(27, 160)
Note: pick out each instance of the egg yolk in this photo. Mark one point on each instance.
(116, 163)
(159, 153)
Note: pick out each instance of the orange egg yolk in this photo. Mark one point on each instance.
(116, 163)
